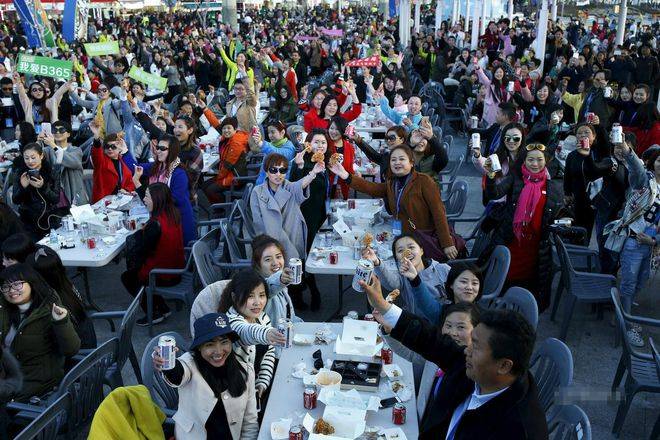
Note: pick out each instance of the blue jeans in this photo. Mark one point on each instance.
(635, 261)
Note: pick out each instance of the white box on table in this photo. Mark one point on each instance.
(358, 338)
(349, 424)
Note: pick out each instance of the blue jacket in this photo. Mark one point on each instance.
(180, 193)
(396, 118)
(287, 150)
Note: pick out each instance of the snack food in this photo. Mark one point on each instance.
(393, 296)
(367, 239)
(318, 157)
(308, 147)
(396, 386)
(407, 254)
(323, 427)
(336, 158)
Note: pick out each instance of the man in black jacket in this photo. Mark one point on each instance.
(487, 391)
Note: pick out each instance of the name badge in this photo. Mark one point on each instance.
(9, 123)
(396, 227)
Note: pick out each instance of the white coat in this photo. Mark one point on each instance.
(196, 402)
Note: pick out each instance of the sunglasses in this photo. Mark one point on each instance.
(60, 129)
(102, 89)
(280, 170)
(512, 138)
(391, 137)
(162, 148)
(539, 147)
(37, 89)
(7, 89)
(110, 147)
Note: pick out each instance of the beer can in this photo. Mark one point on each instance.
(590, 117)
(357, 250)
(309, 398)
(350, 131)
(91, 243)
(296, 266)
(285, 327)
(369, 317)
(617, 134)
(474, 122)
(511, 87)
(399, 414)
(607, 92)
(333, 257)
(386, 355)
(363, 272)
(166, 345)
(67, 222)
(495, 163)
(476, 141)
(584, 143)
(296, 433)
(352, 314)
(351, 203)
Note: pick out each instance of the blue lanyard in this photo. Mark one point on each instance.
(587, 102)
(495, 142)
(400, 193)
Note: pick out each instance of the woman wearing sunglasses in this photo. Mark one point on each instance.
(104, 108)
(35, 329)
(36, 101)
(394, 137)
(111, 174)
(279, 143)
(166, 169)
(514, 137)
(532, 202)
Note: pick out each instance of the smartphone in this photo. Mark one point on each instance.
(46, 129)
(33, 174)
(7, 102)
(389, 403)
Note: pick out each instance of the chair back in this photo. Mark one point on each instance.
(49, 422)
(552, 368)
(237, 252)
(570, 423)
(622, 328)
(519, 300)
(565, 263)
(455, 204)
(496, 271)
(84, 384)
(240, 219)
(161, 392)
(202, 252)
(656, 355)
(125, 344)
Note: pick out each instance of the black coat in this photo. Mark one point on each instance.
(511, 186)
(314, 208)
(514, 414)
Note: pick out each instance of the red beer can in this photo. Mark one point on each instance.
(584, 143)
(91, 243)
(309, 398)
(369, 317)
(107, 202)
(399, 414)
(386, 355)
(334, 257)
(295, 433)
(351, 203)
(590, 117)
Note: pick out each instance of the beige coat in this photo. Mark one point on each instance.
(196, 402)
(247, 110)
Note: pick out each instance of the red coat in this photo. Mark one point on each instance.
(313, 120)
(645, 138)
(105, 175)
(349, 160)
(169, 250)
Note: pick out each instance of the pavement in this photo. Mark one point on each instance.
(591, 340)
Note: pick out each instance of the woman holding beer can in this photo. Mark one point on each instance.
(533, 200)
(217, 397)
(513, 138)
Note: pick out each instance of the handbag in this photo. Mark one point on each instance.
(429, 242)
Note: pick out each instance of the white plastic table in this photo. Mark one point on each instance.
(210, 162)
(367, 129)
(286, 395)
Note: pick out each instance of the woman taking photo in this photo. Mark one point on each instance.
(158, 245)
(36, 193)
(533, 200)
(49, 265)
(35, 329)
(340, 145)
(315, 207)
(217, 397)
(279, 144)
(413, 199)
(167, 169)
(430, 155)
(111, 174)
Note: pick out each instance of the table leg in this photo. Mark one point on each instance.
(88, 293)
(340, 299)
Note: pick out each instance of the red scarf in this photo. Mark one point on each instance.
(529, 198)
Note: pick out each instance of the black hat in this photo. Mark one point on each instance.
(211, 326)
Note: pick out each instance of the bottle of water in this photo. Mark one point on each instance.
(53, 237)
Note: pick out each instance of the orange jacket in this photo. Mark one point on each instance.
(231, 151)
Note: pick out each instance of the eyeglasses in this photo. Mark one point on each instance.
(539, 147)
(512, 138)
(110, 147)
(13, 286)
(102, 89)
(60, 129)
(162, 148)
(280, 170)
(391, 137)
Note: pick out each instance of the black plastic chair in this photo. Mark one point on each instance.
(163, 394)
(570, 423)
(457, 199)
(552, 368)
(655, 433)
(47, 425)
(238, 252)
(592, 288)
(211, 266)
(641, 369)
(495, 271)
(517, 299)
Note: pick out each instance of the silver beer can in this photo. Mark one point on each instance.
(617, 134)
(474, 122)
(295, 264)
(511, 87)
(285, 327)
(476, 141)
(67, 222)
(363, 272)
(495, 163)
(357, 250)
(607, 92)
(166, 344)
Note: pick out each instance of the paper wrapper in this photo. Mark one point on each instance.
(348, 423)
(350, 399)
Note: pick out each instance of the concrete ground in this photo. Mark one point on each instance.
(590, 340)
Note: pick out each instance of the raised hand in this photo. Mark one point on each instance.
(58, 313)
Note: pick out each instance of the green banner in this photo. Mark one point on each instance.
(98, 49)
(44, 66)
(154, 81)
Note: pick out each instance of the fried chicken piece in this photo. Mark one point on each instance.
(318, 157)
(336, 159)
(323, 427)
(407, 254)
(368, 239)
(308, 147)
(393, 296)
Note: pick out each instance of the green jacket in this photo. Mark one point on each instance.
(40, 346)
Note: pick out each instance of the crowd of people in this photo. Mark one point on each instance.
(573, 135)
